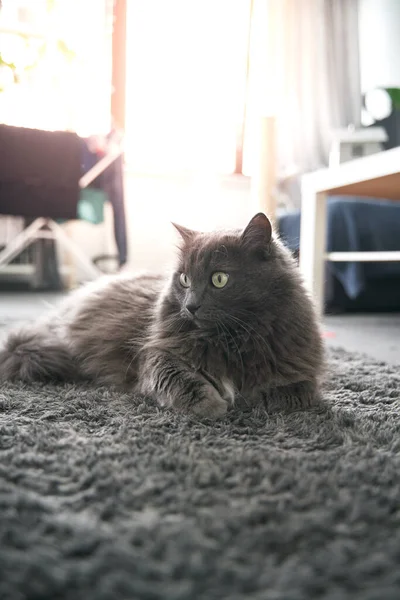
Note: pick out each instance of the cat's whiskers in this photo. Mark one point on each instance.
(250, 330)
(219, 324)
(263, 344)
(256, 338)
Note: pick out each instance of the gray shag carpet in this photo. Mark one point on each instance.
(105, 496)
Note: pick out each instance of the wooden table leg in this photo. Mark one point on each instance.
(313, 243)
(263, 182)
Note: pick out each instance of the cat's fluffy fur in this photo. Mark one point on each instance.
(256, 339)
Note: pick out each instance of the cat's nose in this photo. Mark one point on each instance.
(192, 307)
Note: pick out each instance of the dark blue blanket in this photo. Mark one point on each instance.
(357, 225)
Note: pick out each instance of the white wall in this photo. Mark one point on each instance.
(379, 29)
(205, 203)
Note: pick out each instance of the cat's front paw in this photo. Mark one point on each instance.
(210, 405)
(200, 398)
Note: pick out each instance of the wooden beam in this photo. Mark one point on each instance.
(118, 97)
(241, 128)
(263, 181)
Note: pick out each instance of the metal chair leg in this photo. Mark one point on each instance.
(19, 243)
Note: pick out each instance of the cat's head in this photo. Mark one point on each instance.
(224, 277)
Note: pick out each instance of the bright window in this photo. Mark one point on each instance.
(186, 66)
(56, 64)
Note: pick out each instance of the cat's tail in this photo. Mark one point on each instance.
(30, 356)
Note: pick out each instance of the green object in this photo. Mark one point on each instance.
(394, 94)
(91, 205)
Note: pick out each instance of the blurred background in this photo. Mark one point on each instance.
(202, 111)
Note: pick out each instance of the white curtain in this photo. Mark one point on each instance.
(313, 74)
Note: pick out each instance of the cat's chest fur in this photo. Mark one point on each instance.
(236, 364)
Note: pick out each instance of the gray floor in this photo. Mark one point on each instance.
(377, 335)
(24, 306)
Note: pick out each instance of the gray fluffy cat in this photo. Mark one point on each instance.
(232, 323)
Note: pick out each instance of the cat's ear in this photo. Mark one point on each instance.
(186, 234)
(258, 233)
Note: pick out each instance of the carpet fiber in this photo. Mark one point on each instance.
(105, 496)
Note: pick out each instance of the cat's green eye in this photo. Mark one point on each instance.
(219, 279)
(184, 280)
